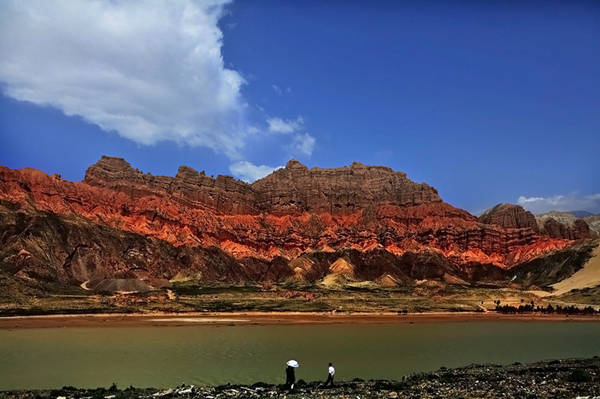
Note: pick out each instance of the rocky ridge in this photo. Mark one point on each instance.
(288, 191)
(561, 225)
(594, 223)
(293, 223)
(566, 225)
(509, 216)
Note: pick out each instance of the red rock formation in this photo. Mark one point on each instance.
(576, 231)
(296, 189)
(509, 216)
(581, 230)
(565, 225)
(292, 212)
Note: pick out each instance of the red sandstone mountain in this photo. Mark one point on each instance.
(509, 216)
(292, 224)
(566, 225)
(561, 225)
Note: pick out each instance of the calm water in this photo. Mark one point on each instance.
(166, 356)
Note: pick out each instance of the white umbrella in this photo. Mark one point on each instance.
(293, 363)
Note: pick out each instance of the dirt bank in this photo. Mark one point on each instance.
(264, 318)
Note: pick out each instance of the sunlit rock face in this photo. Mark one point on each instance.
(293, 223)
(296, 189)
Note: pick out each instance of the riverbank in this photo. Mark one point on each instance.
(551, 379)
(267, 318)
(191, 297)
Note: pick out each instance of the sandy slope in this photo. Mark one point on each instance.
(588, 276)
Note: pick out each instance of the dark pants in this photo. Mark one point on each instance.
(290, 378)
(329, 380)
(289, 384)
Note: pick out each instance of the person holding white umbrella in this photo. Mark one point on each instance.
(290, 374)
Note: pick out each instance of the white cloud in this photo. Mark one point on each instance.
(278, 125)
(151, 71)
(249, 172)
(567, 202)
(527, 200)
(304, 143)
(280, 90)
(277, 89)
(253, 130)
(301, 143)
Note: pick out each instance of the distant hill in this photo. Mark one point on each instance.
(569, 219)
(581, 214)
(562, 225)
(566, 218)
(593, 222)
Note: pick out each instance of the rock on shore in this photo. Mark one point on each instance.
(552, 379)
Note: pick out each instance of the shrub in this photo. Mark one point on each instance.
(579, 375)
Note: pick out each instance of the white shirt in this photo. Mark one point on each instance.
(331, 370)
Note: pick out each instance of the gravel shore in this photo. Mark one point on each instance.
(570, 378)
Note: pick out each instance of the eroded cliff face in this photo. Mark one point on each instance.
(565, 225)
(189, 187)
(560, 225)
(509, 216)
(296, 189)
(292, 190)
(274, 228)
(579, 229)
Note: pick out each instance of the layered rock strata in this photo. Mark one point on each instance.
(272, 229)
(509, 216)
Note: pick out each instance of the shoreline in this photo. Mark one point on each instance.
(566, 378)
(162, 319)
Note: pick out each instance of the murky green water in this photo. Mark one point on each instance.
(167, 356)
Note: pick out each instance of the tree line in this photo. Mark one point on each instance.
(549, 309)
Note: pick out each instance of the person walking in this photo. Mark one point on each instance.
(330, 375)
(290, 374)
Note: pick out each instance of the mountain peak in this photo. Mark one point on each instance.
(509, 216)
(295, 164)
(110, 168)
(187, 172)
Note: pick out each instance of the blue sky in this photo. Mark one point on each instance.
(487, 101)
